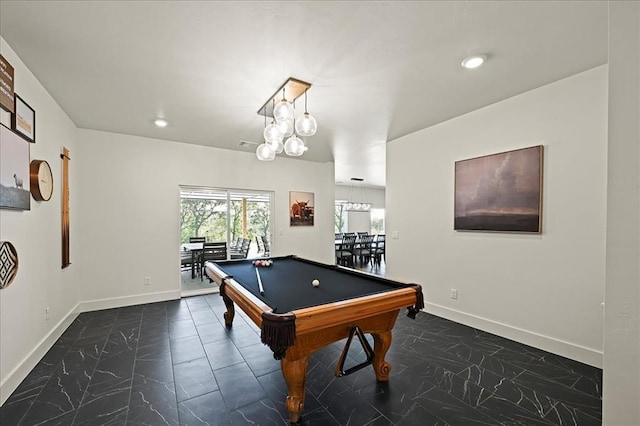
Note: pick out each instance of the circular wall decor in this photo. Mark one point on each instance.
(8, 263)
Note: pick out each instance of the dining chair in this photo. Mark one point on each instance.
(213, 251)
(364, 248)
(345, 252)
(243, 251)
(267, 245)
(185, 259)
(260, 244)
(378, 252)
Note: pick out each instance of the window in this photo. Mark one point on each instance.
(340, 217)
(377, 221)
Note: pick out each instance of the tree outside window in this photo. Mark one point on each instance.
(340, 217)
(377, 221)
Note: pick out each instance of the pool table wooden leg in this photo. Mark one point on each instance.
(231, 311)
(295, 374)
(381, 344)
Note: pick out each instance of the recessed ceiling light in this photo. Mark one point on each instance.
(161, 122)
(474, 61)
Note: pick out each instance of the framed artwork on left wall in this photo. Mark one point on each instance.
(23, 120)
(14, 171)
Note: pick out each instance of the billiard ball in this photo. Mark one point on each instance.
(315, 283)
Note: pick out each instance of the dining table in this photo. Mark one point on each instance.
(196, 250)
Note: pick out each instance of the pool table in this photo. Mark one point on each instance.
(297, 318)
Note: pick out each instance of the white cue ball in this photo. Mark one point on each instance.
(315, 283)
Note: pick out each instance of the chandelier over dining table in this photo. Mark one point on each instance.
(285, 129)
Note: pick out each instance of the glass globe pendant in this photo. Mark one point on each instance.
(283, 109)
(306, 125)
(294, 146)
(285, 127)
(277, 146)
(265, 153)
(272, 133)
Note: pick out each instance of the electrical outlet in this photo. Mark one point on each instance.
(454, 293)
(395, 235)
(147, 280)
(46, 313)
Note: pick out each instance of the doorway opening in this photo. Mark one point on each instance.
(240, 218)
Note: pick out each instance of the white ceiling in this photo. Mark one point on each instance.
(379, 70)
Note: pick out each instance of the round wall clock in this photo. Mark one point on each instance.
(41, 180)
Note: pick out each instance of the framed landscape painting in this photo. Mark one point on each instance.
(14, 171)
(500, 192)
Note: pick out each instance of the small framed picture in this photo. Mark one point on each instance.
(23, 120)
(301, 211)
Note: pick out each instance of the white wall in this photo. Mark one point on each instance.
(545, 290)
(621, 390)
(130, 206)
(25, 335)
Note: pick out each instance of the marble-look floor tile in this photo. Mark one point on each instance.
(244, 336)
(105, 404)
(590, 385)
(152, 403)
(238, 385)
(206, 410)
(563, 414)
(213, 332)
(525, 398)
(13, 410)
(197, 303)
(182, 328)
(194, 378)
(222, 354)
(259, 358)
(186, 349)
(507, 413)
(262, 412)
(448, 408)
(155, 368)
(570, 397)
(346, 407)
(205, 316)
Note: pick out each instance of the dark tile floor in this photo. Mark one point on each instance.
(175, 363)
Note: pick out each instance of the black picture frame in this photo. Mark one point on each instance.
(23, 119)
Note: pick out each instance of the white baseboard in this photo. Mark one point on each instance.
(15, 377)
(119, 302)
(566, 349)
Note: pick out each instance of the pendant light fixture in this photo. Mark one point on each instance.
(357, 202)
(284, 124)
